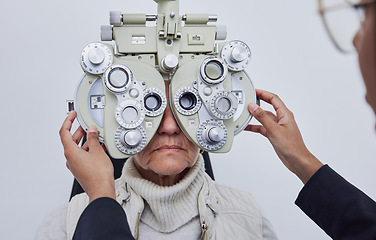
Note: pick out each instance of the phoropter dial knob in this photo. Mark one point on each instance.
(237, 55)
(95, 58)
(116, 18)
(170, 62)
(130, 141)
(212, 135)
(106, 33)
(131, 138)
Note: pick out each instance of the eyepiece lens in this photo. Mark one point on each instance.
(187, 100)
(152, 102)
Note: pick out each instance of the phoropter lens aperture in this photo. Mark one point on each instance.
(152, 102)
(187, 100)
(118, 78)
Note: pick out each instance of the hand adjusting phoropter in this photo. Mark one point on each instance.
(123, 93)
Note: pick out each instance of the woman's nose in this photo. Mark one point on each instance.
(168, 124)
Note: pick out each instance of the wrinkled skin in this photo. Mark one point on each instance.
(169, 154)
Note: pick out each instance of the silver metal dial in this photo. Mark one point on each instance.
(237, 55)
(130, 141)
(170, 62)
(95, 58)
(212, 135)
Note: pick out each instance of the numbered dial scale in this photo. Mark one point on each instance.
(117, 96)
(211, 95)
(96, 58)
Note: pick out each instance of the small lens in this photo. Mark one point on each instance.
(152, 102)
(130, 114)
(118, 78)
(223, 105)
(213, 70)
(187, 100)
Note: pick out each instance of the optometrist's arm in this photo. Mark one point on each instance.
(89, 164)
(359, 219)
(283, 133)
(103, 218)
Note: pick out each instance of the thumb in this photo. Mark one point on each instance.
(92, 138)
(262, 117)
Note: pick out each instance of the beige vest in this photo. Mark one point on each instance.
(225, 213)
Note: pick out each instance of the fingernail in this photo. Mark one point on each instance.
(92, 129)
(253, 107)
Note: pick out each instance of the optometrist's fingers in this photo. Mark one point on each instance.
(85, 146)
(257, 129)
(93, 140)
(91, 144)
(271, 98)
(266, 118)
(283, 133)
(65, 134)
(272, 116)
(78, 134)
(284, 115)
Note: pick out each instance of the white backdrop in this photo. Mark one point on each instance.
(292, 56)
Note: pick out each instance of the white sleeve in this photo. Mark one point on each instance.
(267, 230)
(54, 225)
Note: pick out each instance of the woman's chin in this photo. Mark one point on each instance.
(168, 166)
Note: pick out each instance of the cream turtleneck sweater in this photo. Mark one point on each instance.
(182, 210)
(169, 212)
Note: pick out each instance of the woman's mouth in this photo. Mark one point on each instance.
(169, 148)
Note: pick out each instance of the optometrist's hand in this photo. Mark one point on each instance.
(89, 164)
(284, 135)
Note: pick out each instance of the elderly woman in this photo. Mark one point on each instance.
(163, 190)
